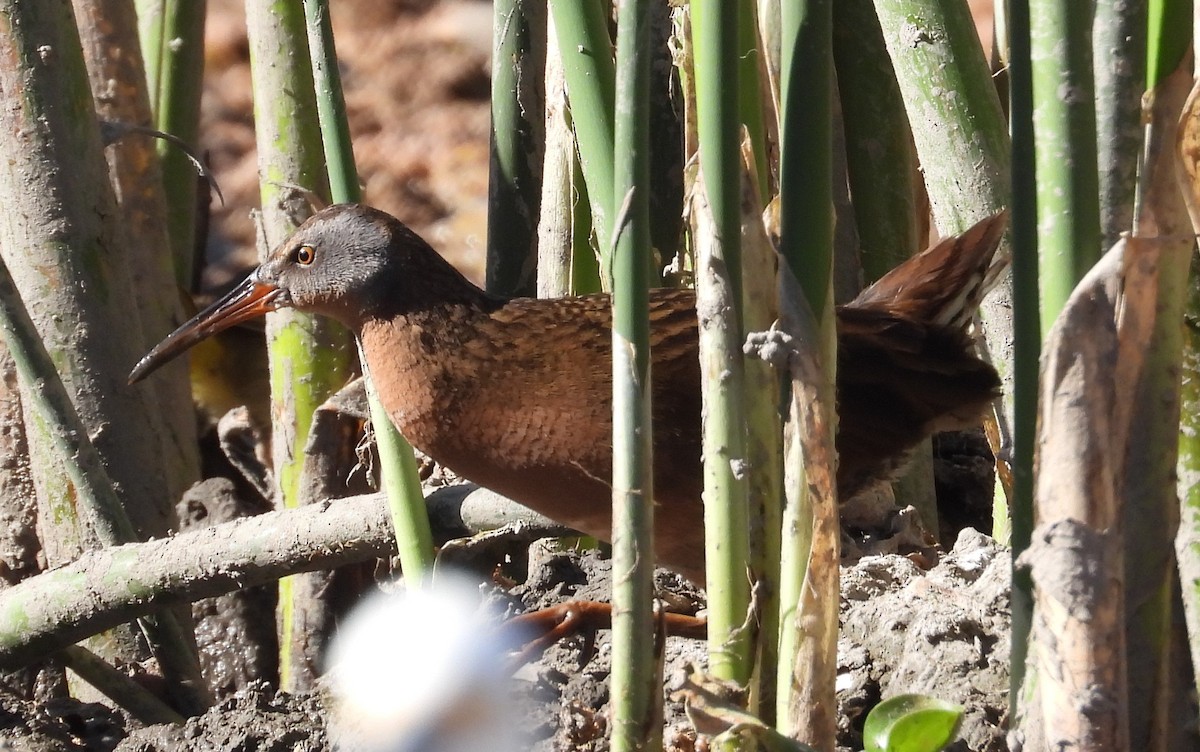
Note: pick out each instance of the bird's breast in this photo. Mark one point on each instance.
(474, 395)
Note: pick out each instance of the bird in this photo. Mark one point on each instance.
(515, 394)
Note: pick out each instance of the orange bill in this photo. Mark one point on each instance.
(246, 301)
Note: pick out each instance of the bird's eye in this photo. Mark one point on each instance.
(305, 255)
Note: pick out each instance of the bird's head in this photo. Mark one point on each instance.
(344, 262)
(349, 262)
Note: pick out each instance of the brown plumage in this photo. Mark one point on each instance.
(516, 394)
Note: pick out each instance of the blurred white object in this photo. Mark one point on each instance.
(421, 670)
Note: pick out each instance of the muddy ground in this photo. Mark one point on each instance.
(941, 632)
(416, 78)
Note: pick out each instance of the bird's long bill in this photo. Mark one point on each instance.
(247, 300)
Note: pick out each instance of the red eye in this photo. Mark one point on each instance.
(305, 255)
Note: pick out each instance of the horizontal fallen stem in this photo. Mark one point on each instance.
(107, 587)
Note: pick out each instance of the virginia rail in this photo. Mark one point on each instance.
(516, 394)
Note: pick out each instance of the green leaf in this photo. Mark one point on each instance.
(911, 723)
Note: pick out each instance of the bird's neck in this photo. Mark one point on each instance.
(418, 331)
(413, 355)
(425, 289)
